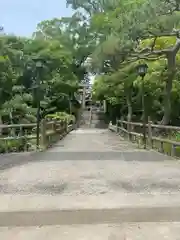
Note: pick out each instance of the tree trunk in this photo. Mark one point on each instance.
(171, 58)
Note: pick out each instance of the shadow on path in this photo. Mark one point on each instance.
(90, 216)
(25, 158)
(83, 145)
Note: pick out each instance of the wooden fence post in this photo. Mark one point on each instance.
(129, 130)
(66, 126)
(150, 132)
(74, 125)
(54, 126)
(173, 150)
(122, 119)
(117, 125)
(43, 134)
(122, 126)
(23, 140)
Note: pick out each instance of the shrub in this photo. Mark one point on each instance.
(61, 116)
(12, 145)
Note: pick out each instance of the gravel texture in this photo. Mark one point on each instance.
(109, 173)
(126, 231)
(49, 173)
(106, 165)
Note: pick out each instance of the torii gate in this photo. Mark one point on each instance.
(83, 90)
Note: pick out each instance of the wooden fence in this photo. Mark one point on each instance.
(165, 139)
(23, 137)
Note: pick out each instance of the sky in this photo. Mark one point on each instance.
(21, 17)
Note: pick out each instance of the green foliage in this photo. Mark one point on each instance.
(115, 36)
(22, 84)
(61, 116)
(15, 145)
(126, 32)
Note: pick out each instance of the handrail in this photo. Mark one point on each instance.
(2, 126)
(152, 125)
(24, 135)
(129, 129)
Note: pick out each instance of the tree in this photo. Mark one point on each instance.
(124, 25)
(75, 35)
(18, 77)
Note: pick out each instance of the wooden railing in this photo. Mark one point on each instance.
(165, 139)
(23, 137)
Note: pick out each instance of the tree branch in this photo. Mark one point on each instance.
(149, 54)
(146, 52)
(159, 34)
(131, 60)
(176, 47)
(153, 44)
(149, 51)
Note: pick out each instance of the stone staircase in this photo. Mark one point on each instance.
(93, 119)
(98, 120)
(86, 119)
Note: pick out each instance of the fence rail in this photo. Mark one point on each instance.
(23, 137)
(165, 139)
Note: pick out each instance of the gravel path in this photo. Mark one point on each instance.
(90, 170)
(125, 231)
(90, 177)
(91, 162)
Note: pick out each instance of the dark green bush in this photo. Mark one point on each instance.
(13, 145)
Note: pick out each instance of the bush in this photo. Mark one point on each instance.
(12, 145)
(61, 116)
